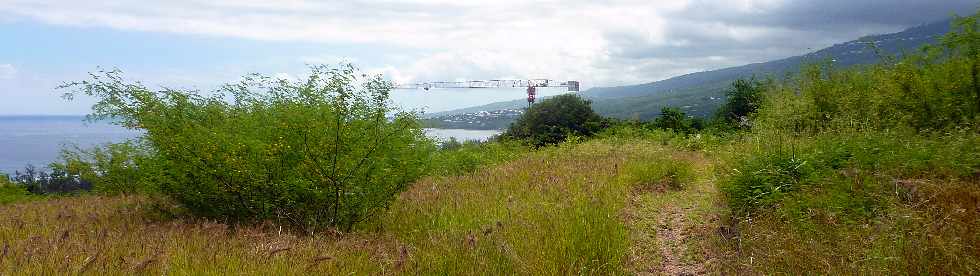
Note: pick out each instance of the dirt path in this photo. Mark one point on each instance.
(670, 230)
(673, 238)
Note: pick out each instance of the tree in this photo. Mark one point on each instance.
(672, 118)
(553, 120)
(744, 99)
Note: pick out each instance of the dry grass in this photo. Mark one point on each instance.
(557, 211)
(103, 235)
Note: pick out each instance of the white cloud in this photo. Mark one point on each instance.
(284, 76)
(458, 39)
(327, 59)
(7, 71)
(599, 42)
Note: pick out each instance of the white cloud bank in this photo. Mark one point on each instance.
(7, 71)
(599, 42)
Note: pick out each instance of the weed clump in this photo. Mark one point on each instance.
(764, 180)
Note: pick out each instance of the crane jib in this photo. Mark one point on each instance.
(571, 85)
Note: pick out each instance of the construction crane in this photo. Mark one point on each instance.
(530, 84)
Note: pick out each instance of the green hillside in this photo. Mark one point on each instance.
(699, 94)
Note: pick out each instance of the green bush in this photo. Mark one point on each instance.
(119, 168)
(450, 144)
(934, 89)
(327, 151)
(851, 175)
(673, 119)
(743, 100)
(761, 180)
(553, 120)
(892, 118)
(10, 192)
(670, 119)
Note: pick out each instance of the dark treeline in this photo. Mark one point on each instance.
(56, 181)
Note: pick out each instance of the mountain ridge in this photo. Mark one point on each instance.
(700, 93)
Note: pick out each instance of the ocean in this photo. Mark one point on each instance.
(38, 140)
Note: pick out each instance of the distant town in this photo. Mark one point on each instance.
(497, 119)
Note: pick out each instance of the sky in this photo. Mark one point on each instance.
(200, 44)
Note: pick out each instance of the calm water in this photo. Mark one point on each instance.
(38, 140)
(460, 134)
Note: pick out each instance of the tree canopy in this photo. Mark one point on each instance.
(555, 119)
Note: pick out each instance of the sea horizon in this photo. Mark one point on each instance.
(39, 139)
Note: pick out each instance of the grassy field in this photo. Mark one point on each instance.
(574, 209)
(647, 204)
(865, 170)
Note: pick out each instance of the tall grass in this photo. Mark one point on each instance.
(870, 170)
(67, 236)
(469, 156)
(557, 210)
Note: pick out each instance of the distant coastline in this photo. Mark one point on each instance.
(38, 139)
